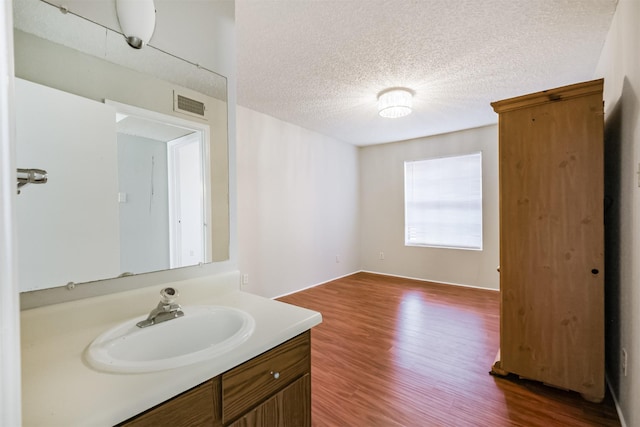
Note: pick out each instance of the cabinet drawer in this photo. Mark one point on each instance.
(196, 407)
(289, 408)
(256, 380)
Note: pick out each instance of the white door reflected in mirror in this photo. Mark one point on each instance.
(186, 209)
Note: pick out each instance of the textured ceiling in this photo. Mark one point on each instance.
(320, 64)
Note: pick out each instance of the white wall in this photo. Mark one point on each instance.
(144, 215)
(10, 408)
(620, 66)
(304, 199)
(297, 205)
(382, 211)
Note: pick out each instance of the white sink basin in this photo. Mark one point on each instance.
(204, 332)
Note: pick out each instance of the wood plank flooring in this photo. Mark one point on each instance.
(399, 352)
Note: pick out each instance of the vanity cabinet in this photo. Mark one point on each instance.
(272, 389)
(552, 237)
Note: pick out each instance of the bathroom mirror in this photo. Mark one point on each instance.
(86, 237)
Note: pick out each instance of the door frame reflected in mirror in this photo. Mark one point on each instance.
(181, 251)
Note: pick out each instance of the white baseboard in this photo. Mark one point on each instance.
(432, 281)
(390, 275)
(317, 284)
(623, 423)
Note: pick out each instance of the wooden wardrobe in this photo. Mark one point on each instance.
(552, 237)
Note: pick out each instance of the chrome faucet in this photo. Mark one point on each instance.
(167, 309)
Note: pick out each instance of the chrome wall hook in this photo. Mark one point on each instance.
(31, 176)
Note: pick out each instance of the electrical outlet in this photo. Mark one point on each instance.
(245, 279)
(381, 255)
(623, 362)
(337, 259)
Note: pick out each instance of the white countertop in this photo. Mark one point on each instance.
(60, 389)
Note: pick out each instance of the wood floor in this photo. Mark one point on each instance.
(398, 352)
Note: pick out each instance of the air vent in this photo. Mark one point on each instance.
(185, 105)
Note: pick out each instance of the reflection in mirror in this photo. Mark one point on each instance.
(119, 200)
(162, 191)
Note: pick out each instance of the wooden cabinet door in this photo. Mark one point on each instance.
(290, 407)
(552, 243)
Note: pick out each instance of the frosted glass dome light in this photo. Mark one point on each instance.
(137, 21)
(394, 103)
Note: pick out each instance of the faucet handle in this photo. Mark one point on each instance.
(168, 295)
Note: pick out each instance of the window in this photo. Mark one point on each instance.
(443, 202)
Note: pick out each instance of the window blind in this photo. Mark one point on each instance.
(443, 202)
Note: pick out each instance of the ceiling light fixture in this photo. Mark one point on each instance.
(137, 20)
(394, 102)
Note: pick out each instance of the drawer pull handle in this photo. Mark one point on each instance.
(276, 375)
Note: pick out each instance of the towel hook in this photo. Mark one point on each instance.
(31, 176)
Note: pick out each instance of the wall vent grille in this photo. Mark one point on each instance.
(189, 106)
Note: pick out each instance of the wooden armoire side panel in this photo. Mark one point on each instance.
(552, 243)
